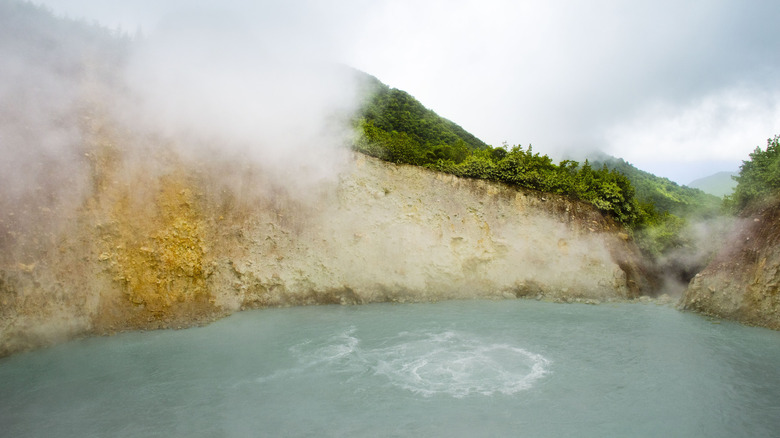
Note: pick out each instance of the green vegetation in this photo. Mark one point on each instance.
(664, 195)
(397, 128)
(758, 179)
(393, 110)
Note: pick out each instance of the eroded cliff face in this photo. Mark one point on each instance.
(165, 240)
(742, 282)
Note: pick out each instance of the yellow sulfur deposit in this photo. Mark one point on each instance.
(160, 258)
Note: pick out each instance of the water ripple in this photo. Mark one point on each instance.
(427, 363)
(457, 364)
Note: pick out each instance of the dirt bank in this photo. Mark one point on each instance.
(741, 283)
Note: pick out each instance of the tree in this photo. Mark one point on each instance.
(759, 177)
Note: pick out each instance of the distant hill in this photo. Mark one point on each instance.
(665, 194)
(718, 184)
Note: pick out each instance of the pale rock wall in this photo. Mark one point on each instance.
(400, 233)
(188, 241)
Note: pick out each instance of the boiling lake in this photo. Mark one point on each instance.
(458, 368)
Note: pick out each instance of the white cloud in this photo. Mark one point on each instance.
(723, 126)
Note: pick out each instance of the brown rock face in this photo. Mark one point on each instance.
(741, 283)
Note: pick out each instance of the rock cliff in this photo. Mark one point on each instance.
(159, 239)
(741, 283)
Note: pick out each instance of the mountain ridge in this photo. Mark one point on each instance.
(719, 184)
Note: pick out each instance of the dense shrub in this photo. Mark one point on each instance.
(609, 190)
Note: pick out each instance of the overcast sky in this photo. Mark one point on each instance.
(679, 88)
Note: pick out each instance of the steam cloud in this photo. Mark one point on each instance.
(42, 171)
(245, 99)
(210, 87)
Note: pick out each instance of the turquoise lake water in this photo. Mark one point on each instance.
(454, 369)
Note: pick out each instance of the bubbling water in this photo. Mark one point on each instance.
(428, 363)
(457, 364)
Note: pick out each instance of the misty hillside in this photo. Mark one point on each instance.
(719, 184)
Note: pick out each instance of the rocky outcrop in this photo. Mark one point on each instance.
(183, 241)
(741, 283)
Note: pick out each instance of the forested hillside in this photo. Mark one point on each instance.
(390, 109)
(665, 195)
(668, 210)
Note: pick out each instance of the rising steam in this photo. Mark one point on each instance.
(223, 92)
(205, 90)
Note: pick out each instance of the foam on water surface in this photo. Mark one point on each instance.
(448, 362)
